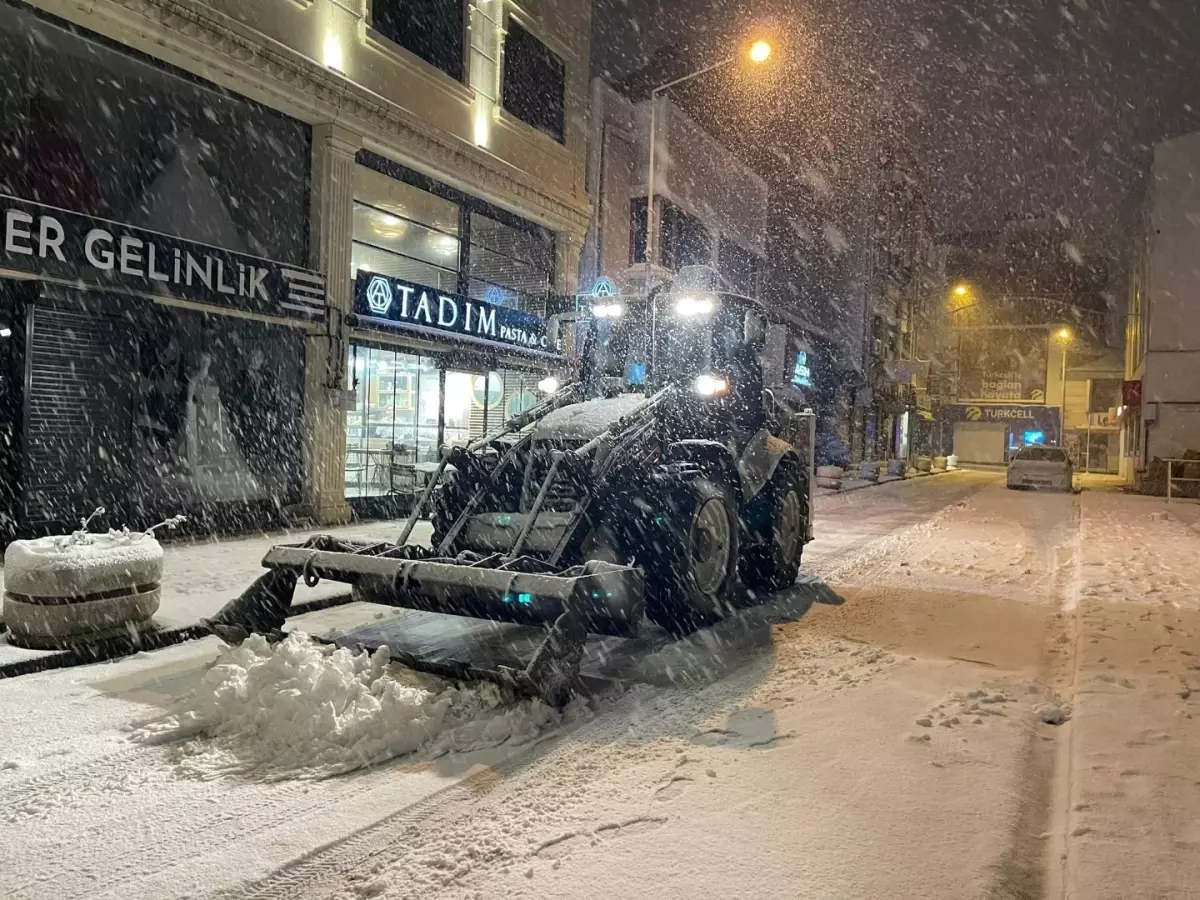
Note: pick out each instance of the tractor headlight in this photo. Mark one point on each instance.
(711, 386)
(608, 310)
(549, 385)
(693, 305)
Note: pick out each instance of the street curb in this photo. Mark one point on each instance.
(890, 480)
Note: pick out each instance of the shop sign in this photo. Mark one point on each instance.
(1103, 420)
(396, 303)
(603, 291)
(1026, 417)
(70, 247)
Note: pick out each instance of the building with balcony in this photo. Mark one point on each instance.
(709, 207)
(262, 259)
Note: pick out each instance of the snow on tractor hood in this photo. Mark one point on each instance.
(586, 420)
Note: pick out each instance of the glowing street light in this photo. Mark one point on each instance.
(961, 290)
(760, 52)
(1064, 336)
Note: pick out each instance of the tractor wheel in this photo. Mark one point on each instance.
(774, 562)
(448, 500)
(692, 569)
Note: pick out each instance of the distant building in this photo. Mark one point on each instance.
(894, 407)
(709, 208)
(1161, 404)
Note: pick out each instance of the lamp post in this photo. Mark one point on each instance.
(759, 52)
(1064, 336)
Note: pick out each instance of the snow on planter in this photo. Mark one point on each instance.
(65, 589)
(299, 709)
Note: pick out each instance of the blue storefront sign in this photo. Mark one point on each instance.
(381, 301)
(1021, 419)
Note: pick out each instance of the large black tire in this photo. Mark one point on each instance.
(691, 570)
(772, 562)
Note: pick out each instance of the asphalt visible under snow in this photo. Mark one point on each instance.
(877, 731)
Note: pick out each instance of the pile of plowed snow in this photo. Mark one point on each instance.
(302, 709)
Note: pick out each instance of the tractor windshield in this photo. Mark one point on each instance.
(695, 335)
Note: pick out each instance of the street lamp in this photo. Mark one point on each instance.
(758, 53)
(1064, 336)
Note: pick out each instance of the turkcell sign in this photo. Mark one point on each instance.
(76, 249)
(1046, 418)
(396, 303)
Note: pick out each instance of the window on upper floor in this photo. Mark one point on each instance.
(1105, 394)
(534, 82)
(430, 29)
(685, 240)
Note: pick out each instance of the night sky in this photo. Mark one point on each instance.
(1010, 108)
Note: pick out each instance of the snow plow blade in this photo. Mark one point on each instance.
(597, 597)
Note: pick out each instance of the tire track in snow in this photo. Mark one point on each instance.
(1027, 868)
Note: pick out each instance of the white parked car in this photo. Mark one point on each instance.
(1036, 466)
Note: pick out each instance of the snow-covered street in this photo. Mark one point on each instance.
(972, 692)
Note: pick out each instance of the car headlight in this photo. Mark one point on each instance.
(691, 305)
(549, 385)
(711, 385)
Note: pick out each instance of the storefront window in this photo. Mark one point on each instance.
(395, 421)
(402, 231)
(460, 389)
(508, 265)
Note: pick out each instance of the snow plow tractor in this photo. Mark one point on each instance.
(677, 462)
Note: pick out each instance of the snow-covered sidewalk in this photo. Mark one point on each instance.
(1131, 793)
(199, 577)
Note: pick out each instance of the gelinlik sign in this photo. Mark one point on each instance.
(396, 303)
(72, 248)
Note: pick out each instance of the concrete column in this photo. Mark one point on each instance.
(567, 247)
(331, 238)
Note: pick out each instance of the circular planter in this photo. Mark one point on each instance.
(868, 471)
(924, 464)
(830, 472)
(59, 592)
(939, 463)
(897, 467)
(952, 461)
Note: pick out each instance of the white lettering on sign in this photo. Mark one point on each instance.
(101, 257)
(131, 256)
(16, 229)
(79, 247)
(423, 309)
(50, 237)
(485, 322)
(447, 303)
(151, 267)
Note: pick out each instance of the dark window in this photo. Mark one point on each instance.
(1041, 454)
(637, 230)
(739, 267)
(1106, 394)
(534, 82)
(685, 240)
(431, 29)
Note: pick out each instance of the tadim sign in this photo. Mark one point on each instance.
(386, 302)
